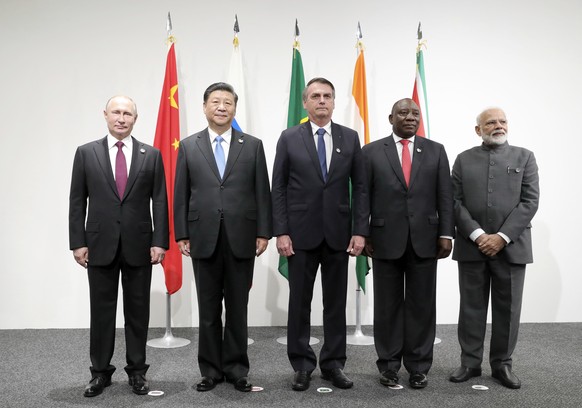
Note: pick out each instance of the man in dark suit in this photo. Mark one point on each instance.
(222, 216)
(412, 226)
(316, 224)
(117, 178)
(496, 196)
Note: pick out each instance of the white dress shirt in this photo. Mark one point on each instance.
(326, 138)
(127, 151)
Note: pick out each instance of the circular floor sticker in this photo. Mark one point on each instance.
(324, 390)
(257, 389)
(480, 387)
(156, 393)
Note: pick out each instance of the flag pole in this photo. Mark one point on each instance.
(359, 338)
(168, 341)
(283, 260)
(417, 95)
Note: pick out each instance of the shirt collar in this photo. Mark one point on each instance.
(226, 135)
(397, 138)
(127, 141)
(315, 128)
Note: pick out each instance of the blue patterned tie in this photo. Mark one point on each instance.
(219, 155)
(321, 152)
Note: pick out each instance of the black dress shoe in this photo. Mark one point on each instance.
(389, 378)
(242, 384)
(139, 385)
(207, 384)
(506, 377)
(418, 380)
(96, 386)
(337, 378)
(463, 373)
(301, 380)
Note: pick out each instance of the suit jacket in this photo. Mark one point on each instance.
(424, 209)
(496, 189)
(111, 219)
(305, 207)
(242, 198)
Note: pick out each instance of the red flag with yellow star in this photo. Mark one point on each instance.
(167, 140)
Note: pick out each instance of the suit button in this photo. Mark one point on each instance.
(222, 187)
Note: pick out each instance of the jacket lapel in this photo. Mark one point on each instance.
(309, 142)
(337, 137)
(392, 154)
(417, 157)
(137, 161)
(236, 145)
(102, 154)
(203, 143)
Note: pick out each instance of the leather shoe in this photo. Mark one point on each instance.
(506, 377)
(389, 378)
(242, 384)
(463, 373)
(418, 380)
(301, 380)
(337, 378)
(207, 384)
(96, 386)
(139, 385)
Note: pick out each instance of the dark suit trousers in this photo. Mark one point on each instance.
(223, 276)
(334, 280)
(404, 312)
(505, 281)
(103, 291)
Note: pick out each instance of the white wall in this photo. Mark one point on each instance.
(61, 60)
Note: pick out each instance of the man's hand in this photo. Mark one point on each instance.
(444, 247)
(261, 246)
(81, 256)
(184, 246)
(490, 244)
(284, 245)
(356, 245)
(157, 255)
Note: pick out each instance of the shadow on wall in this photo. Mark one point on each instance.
(543, 280)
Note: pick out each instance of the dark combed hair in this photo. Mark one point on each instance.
(220, 86)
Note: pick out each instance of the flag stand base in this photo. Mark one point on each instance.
(168, 341)
(283, 340)
(359, 338)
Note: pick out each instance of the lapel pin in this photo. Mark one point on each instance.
(338, 150)
(418, 149)
(142, 150)
(240, 141)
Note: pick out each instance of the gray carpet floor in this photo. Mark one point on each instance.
(49, 368)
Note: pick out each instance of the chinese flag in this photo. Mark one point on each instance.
(167, 140)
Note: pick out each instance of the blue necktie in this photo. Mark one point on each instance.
(219, 155)
(321, 152)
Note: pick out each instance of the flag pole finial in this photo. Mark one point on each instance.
(296, 41)
(171, 39)
(236, 30)
(421, 42)
(359, 36)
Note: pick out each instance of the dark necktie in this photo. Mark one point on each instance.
(219, 155)
(406, 162)
(321, 152)
(120, 170)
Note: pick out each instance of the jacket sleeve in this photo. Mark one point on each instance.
(78, 203)
(181, 195)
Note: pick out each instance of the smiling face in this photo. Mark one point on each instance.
(220, 108)
(405, 118)
(319, 102)
(120, 114)
(492, 126)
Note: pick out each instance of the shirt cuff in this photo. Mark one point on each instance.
(476, 234)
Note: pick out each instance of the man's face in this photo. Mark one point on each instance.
(320, 103)
(405, 118)
(220, 109)
(492, 127)
(120, 115)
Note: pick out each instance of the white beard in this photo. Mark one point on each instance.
(495, 139)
